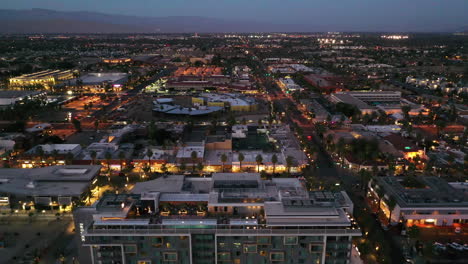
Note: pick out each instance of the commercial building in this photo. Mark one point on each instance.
(117, 60)
(45, 78)
(366, 102)
(325, 82)
(100, 82)
(10, 97)
(233, 102)
(54, 187)
(209, 73)
(48, 154)
(288, 85)
(405, 147)
(229, 218)
(431, 201)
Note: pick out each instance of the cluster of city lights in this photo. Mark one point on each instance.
(395, 37)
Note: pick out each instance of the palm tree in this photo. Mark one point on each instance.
(259, 160)
(55, 154)
(223, 160)
(194, 157)
(200, 167)
(340, 148)
(68, 158)
(289, 163)
(380, 194)
(164, 168)
(182, 167)
(241, 159)
(108, 157)
(121, 158)
(40, 152)
(365, 178)
(391, 203)
(274, 160)
(405, 109)
(149, 154)
(440, 124)
(93, 155)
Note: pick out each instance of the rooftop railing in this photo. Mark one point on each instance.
(224, 230)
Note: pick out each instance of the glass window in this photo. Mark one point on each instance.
(170, 256)
(224, 256)
(250, 248)
(277, 256)
(290, 240)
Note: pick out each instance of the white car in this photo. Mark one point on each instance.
(456, 246)
(440, 246)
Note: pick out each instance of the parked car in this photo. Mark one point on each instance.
(456, 246)
(439, 246)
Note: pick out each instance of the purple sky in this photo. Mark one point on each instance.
(365, 15)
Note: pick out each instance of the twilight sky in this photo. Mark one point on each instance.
(342, 14)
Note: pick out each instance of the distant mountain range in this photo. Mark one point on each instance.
(50, 21)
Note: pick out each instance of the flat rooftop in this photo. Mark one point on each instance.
(431, 192)
(66, 180)
(18, 94)
(96, 78)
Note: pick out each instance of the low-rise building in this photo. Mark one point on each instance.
(46, 79)
(10, 97)
(233, 102)
(48, 154)
(367, 102)
(430, 201)
(99, 82)
(48, 188)
(288, 85)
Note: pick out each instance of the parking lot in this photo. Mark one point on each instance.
(34, 240)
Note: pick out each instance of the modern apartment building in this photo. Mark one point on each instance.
(228, 218)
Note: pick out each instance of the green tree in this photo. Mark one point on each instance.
(274, 160)
(223, 160)
(149, 154)
(93, 155)
(40, 153)
(108, 157)
(289, 163)
(365, 178)
(69, 158)
(194, 157)
(380, 194)
(182, 167)
(77, 124)
(241, 159)
(55, 155)
(259, 160)
(231, 120)
(121, 159)
(405, 109)
(413, 232)
(440, 124)
(200, 167)
(391, 203)
(164, 168)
